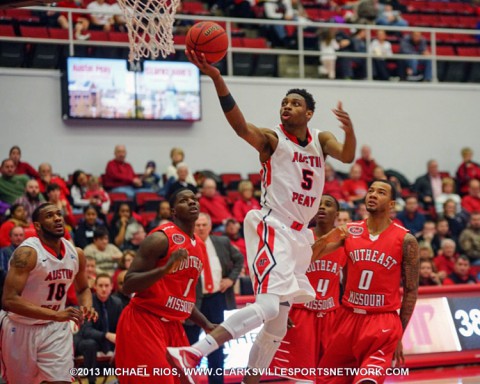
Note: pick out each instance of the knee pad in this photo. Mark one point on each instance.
(269, 305)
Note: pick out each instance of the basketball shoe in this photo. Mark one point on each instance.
(184, 358)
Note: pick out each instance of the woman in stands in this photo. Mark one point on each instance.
(246, 202)
(22, 168)
(122, 223)
(78, 190)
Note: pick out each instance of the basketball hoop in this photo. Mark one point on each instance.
(150, 27)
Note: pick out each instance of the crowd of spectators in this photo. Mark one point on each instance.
(441, 210)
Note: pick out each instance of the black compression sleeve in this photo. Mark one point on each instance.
(227, 102)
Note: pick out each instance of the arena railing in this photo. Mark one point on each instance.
(300, 51)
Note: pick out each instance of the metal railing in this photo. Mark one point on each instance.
(300, 51)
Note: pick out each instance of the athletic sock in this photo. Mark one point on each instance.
(206, 345)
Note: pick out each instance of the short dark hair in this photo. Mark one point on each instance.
(306, 95)
(52, 187)
(393, 193)
(39, 209)
(4, 161)
(337, 205)
(173, 198)
(100, 232)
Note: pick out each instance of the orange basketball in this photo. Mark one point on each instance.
(208, 38)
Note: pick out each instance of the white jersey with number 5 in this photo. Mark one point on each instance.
(48, 282)
(293, 177)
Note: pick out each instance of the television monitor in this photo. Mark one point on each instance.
(106, 89)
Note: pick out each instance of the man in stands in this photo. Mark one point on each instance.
(214, 204)
(119, 175)
(31, 199)
(11, 185)
(46, 177)
(461, 273)
(471, 202)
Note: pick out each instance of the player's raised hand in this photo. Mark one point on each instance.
(176, 259)
(201, 62)
(68, 314)
(343, 117)
(89, 313)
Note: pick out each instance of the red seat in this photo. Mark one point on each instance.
(232, 196)
(35, 32)
(179, 39)
(194, 8)
(142, 197)
(468, 51)
(7, 30)
(256, 179)
(446, 51)
(58, 33)
(118, 196)
(254, 42)
(120, 37)
(147, 217)
(98, 35)
(229, 178)
(237, 42)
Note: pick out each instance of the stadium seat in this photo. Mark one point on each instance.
(232, 196)
(142, 197)
(243, 64)
(230, 180)
(147, 217)
(256, 179)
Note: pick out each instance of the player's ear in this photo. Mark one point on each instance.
(309, 114)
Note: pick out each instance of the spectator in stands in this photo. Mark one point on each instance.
(461, 273)
(12, 186)
(279, 10)
(181, 181)
(78, 190)
(445, 260)
(471, 202)
(367, 164)
(119, 294)
(122, 222)
(134, 236)
(91, 271)
(427, 274)
(87, 226)
(344, 64)
(361, 212)
(97, 195)
(106, 255)
(328, 47)
(119, 175)
(177, 156)
(80, 20)
(415, 44)
(427, 235)
(410, 217)
(47, 177)
(381, 49)
(100, 336)
(151, 179)
(429, 186)
(343, 217)
(101, 17)
(215, 205)
(246, 202)
(31, 199)
(391, 17)
(123, 265)
(164, 214)
(16, 218)
(17, 235)
(442, 231)
(359, 42)
(54, 196)
(21, 168)
(470, 239)
(232, 231)
(355, 188)
(379, 174)
(448, 193)
(333, 186)
(467, 171)
(425, 252)
(457, 221)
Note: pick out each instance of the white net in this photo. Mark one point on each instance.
(150, 26)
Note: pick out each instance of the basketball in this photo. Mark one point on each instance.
(208, 38)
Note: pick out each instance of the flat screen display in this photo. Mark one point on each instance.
(106, 89)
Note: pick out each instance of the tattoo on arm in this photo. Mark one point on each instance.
(410, 273)
(21, 257)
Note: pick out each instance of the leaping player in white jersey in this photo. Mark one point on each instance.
(36, 344)
(278, 240)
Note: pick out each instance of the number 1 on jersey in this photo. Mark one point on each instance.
(189, 284)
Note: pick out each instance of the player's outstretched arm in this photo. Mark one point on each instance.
(143, 272)
(261, 139)
(331, 146)
(410, 273)
(84, 294)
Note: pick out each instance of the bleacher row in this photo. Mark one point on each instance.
(27, 24)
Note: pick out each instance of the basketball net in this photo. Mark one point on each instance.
(150, 27)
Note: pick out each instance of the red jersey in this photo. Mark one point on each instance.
(173, 296)
(373, 267)
(324, 276)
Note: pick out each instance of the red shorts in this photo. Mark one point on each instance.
(142, 339)
(363, 341)
(303, 346)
